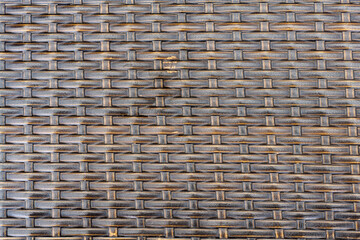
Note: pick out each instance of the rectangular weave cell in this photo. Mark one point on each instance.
(179, 119)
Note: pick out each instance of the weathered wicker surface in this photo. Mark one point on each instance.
(187, 119)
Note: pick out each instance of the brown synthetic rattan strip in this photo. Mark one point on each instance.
(179, 119)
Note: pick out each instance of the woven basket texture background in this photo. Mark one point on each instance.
(179, 119)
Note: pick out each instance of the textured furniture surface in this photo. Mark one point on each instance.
(186, 119)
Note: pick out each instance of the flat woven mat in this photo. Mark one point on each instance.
(179, 119)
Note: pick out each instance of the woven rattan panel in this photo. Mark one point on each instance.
(188, 119)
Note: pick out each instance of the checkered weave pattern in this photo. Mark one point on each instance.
(179, 119)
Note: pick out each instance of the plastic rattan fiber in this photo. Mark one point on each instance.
(179, 119)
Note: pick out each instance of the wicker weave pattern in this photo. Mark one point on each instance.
(188, 119)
